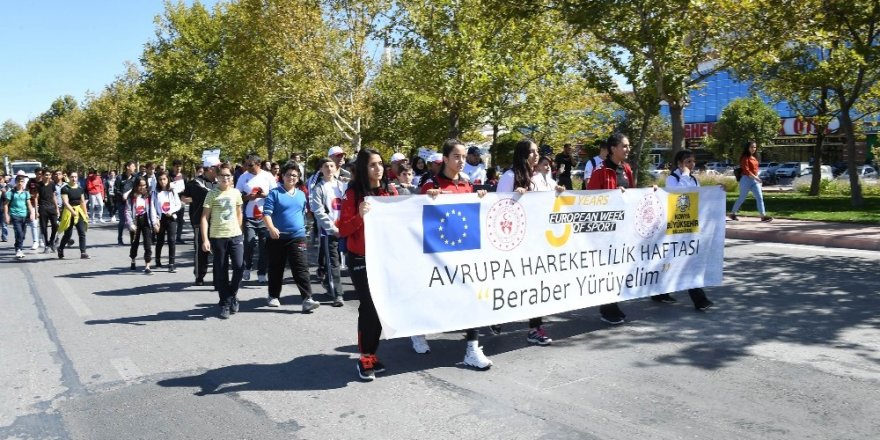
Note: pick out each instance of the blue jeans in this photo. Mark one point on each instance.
(3, 229)
(19, 227)
(747, 185)
(255, 236)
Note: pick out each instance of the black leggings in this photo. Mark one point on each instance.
(167, 227)
(80, 230)
(143, 228)
(48, 216)
(369, 327)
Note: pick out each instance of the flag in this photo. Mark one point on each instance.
(449, 228)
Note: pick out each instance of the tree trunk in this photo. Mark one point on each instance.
(640, 144)
(270, 136)
(846, 124)
(676, 115)
(356, 136)
(820, 139)
(454, 132)
(493, 149)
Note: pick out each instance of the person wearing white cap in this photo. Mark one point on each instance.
(396, 160)
(195, 191)
(338, 155)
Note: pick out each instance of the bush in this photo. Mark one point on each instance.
(728, 182)
(838, 187)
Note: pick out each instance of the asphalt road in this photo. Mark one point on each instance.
(91, 350)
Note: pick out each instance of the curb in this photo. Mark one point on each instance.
(827, 240)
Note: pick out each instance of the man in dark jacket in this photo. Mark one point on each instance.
(123, 186)
(194, 193)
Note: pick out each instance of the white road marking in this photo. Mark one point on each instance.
(79, 307)
(831, 250)
(126, 368)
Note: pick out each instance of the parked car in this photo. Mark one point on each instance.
(791, 169)
(721, 167)
(864, 172)
(767, 171)
(806, 178)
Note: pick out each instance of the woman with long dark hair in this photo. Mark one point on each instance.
(613, 174)
(369, 180)
(521, 177)
(142, 221)
(750, 182)
(167, 205)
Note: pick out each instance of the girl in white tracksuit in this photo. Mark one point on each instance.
(166, 204)
(141, 219)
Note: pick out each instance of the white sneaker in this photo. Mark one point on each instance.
(474, 357)
(246, 276)
(42, 244)
(262, 279)
(273, 302)
(113, 219)
(35, 246)
(309, 304)
(19, 254)
(420, 344)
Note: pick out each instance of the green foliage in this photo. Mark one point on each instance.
(744, 119)
(840, 187)
(730, 184)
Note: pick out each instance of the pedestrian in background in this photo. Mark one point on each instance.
(749, 182)
(95, 188)
(17, 211)
(74, 215)
(142, 221)
(167, 205)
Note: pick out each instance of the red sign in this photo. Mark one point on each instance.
(804, 126)
(698, 130)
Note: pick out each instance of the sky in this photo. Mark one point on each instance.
(52, 48)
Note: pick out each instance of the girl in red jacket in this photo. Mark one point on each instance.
(614, 173)
(369, 180)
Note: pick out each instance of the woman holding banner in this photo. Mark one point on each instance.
(369, 180)
(681, 177)
(614, 173)
(450, 180)
(522, 177)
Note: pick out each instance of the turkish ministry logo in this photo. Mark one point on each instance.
(449, 228)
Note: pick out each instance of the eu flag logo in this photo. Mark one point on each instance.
(448, 228)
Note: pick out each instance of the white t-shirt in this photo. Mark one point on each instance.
(676, 179)
(333, 193)
(588, 168)
(543, 183)
(505, 183)
(475, 173)
(247, 182)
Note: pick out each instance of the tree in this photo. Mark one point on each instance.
(11, 135)
(744, 119)
(464, 56)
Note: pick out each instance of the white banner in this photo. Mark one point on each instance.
(460, 261)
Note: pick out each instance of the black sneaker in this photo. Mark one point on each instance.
(663, 298)
(60, 254)
(133, 266)
(84, 256)
(733, 217)
(147, 271)
(364, 367)
(200, 282)
(704, 305)
(766, 219)
(158, 264)
(378, 366)
(171, 268)
(612, 319)
(224, 313)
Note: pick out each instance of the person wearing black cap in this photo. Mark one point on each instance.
(474, 168)
(564, 164)
(195, 191)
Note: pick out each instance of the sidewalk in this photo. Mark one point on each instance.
(839, 235)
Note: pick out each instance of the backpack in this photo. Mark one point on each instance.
(738, 173)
